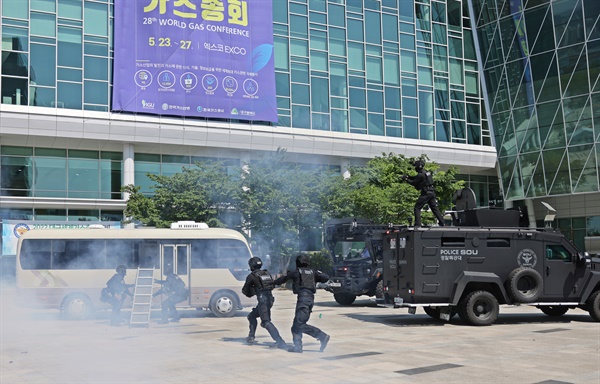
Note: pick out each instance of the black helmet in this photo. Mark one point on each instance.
(121, 269)
(419, 164)
(302, 261)
(255, 263)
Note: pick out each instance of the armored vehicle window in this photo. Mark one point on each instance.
(498, 243)
(453, 241)
(557, 252)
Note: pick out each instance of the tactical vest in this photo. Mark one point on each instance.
(428, 179)
(307, 278)
(266, 280)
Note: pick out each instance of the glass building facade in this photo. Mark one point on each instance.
(541, 66)
(403, 70)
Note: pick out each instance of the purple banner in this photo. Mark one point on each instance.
(204, 58)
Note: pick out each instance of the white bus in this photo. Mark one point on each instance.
(67, 269)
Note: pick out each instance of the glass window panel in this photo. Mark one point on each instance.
(299, 8)
(426, 108)
(282, 82)
(69, 47)
(409, 106)
(411, 128)
(43, 5)
(300, 94)
(355, 5)
(408, 60)
(300, 116)
(442, 131)
(357, 98)
(318, 61)
(83, 178)
(43, 59)
(320, 122)
(438, 12)
(390, 27)
(455, 47)
(95, 68)
(43, 24)
(299, 47)
(375, 101)
(69, 95)
(339, 84)
(318, 40)
(339, 120)
(282, 55)
(456, 72)
(298, 26)
(373, 27)
(50, 175)
(391, 69)
(425, 76)
(358, 118)
(70, 8)
(356, 56)
(280, 11)
(407, 41)
(472, 84)
(409, 87)
(16, 173)
(406, 11)
(42, 96)
(319, 94)
(300, 73)
(392, 98)
(95, 92)
(336, 15)
(439, 34)
(355, 30)
(96, 19)
(376, 124)
(374, 69)
(95, 49)
(16, 9)
(14, 39)
(111, 179)
(141, 178)
(422, 16)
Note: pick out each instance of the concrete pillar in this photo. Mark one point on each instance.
(128, 166)
(345, 168)
(531, 213)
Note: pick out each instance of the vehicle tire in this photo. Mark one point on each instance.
(524, 285)
(554, 310)
(344, 298)
(479, 308)
(379, 290)
(77, 306)
(223, 304)
(593, 305)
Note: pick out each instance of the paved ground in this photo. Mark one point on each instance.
(368, 344)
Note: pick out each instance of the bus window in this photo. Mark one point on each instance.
(35, 254)
(149, 254)
(204, 253)
(91, 254)
(121, 252)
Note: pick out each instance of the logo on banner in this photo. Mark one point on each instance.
(188, 81)
(143, 78)
(210, 83)
(147, 105)
(20, 229)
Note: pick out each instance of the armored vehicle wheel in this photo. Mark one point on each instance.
(524, 285)
(223, 304)
(77, 306)
(344, 298)
(554, 310)
(593, 305)
(432, 312)
(479, 308)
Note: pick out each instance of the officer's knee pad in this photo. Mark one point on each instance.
(265, 324)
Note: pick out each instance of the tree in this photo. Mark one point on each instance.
(376, 191)
(202, 194)
(279, 199)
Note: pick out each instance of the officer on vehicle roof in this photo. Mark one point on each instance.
(423, 181)
(305, 281)
(260, 283)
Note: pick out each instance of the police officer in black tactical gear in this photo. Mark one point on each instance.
(115, 292)
(176, 292)
(423, 181)
(305, 281)
(260, 283)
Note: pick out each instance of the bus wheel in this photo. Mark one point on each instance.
(223, 304)
(76, 307)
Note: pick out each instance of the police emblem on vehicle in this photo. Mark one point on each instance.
(527, 258)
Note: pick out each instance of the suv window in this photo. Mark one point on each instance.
(557, 252)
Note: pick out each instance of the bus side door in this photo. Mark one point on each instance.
(176, 258)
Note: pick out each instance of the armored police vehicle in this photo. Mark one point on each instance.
(356, 248)
(470, 269)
